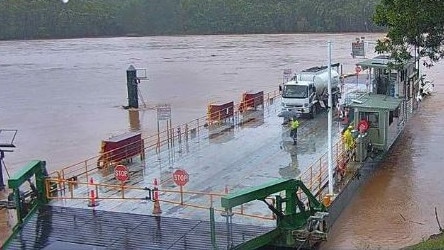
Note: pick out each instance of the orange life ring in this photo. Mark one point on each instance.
(363, 126)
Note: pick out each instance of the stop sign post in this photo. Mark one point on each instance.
(181, 178)
(121, 173)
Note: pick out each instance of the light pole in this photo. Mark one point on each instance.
(330, 121)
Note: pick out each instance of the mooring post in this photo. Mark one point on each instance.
(131, 82)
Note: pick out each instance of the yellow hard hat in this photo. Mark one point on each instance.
(350, 127)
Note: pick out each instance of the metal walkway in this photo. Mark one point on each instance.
(54, 228)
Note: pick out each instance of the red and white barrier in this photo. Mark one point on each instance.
(156, 208)
(92, 194)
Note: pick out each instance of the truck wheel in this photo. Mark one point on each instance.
(313, 111)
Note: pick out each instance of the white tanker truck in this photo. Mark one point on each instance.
(307, 91)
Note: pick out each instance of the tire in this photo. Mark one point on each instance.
(312, 112)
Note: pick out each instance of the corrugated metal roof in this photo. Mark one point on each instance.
(380, 61)
(376, 101)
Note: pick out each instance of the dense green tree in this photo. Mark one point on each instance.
(414, 27)
(35, 19)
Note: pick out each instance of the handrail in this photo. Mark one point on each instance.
(152, 142)
(65, 191)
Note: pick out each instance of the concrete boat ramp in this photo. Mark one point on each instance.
(238, 157)
(248, 150)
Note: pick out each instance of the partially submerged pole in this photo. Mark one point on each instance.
(330, 121)
(131, 83)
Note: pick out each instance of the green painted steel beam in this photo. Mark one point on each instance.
(25, 173)
(38, 170)
(257, 193)
(295, 216)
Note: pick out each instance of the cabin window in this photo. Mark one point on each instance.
(371, 117)
(295, 91)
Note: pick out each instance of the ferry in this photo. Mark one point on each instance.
(230, 180)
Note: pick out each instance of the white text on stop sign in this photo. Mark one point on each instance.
(120, 172)
(180, 177)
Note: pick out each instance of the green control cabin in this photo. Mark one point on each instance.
(380, 114)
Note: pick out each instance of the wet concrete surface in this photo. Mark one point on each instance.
(244, 156)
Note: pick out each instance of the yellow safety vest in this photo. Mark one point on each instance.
(294, 124)
(348, 139)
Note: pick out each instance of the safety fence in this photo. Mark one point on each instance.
(93, 193)
(227, 112)
(315, 178)
(75, 182)
(68, 181)
(173, 137)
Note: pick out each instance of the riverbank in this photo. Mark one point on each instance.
(435, 241)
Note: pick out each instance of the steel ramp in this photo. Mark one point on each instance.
(54, 227)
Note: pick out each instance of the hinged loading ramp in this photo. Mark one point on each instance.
(295, 211)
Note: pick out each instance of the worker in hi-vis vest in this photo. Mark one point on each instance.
(294, 124)
(349, 141)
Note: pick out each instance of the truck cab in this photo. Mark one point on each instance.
(307, 91)
(298, 96)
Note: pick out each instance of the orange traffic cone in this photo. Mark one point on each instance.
(156, 208)
(92, 195)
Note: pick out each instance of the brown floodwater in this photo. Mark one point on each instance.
(65, 96)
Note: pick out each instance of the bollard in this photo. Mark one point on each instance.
(156, 208)
(92, 195)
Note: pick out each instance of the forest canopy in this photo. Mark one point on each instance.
(37, 19)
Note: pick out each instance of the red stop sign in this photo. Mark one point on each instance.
(121, 172)
(358, 69)
(180, 177)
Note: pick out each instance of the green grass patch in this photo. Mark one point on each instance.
(434, 242)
